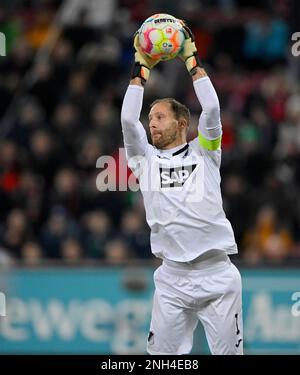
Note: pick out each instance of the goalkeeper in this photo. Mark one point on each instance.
(180, 183)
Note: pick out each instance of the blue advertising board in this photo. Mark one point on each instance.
(271, 304)
(76, 311)
(108, 310)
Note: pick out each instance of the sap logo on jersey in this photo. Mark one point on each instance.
(175, 177)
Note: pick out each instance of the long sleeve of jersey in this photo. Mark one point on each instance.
(210, 128)
(134, 134)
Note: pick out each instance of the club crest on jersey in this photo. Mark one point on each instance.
(176, 176)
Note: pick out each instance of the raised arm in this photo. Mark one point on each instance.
(134, 134)
(210, 128)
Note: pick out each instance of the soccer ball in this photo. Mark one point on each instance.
(161, 36)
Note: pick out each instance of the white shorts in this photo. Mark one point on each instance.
(184, 295)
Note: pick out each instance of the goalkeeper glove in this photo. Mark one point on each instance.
(142, 63)
(189, 53)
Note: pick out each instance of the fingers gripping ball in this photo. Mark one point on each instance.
(161, 37)
(189, 53)
(142, 62)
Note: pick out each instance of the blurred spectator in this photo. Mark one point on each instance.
(268, 239)
(9, 167)
(31, 254)
(289, 131)
(66, 191)
(134, 233)
(30, 197)
(19, 60)
(15, 232)
(71, 251)
(62, 60)
(117, 252)
(58, 227)
(97, 226)
(228, 136)
(79, 92)
(112, 201)
(65, 125)
(29, 119)
(105, 122)
(38, 32)
(45, 86)
(236, 200)
(43, 159)
(89, 152)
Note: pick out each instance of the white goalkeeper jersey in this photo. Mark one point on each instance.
(180, 186)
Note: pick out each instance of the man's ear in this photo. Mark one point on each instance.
(182, 123)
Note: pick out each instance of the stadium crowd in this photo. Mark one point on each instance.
(61, 88)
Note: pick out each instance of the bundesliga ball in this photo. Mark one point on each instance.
(161, 36)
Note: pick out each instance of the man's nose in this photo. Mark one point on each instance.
(152, 125)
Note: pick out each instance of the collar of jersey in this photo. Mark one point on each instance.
(175, 151)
